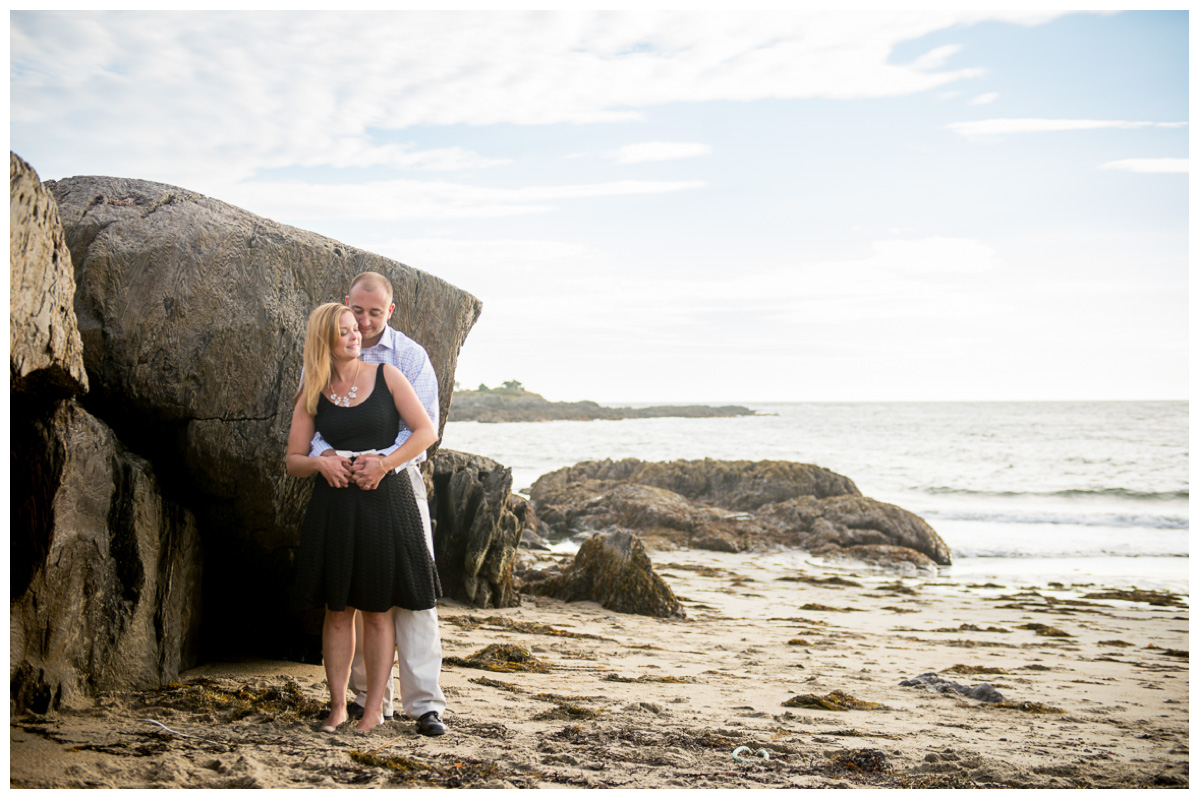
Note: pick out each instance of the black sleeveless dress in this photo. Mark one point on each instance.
(364, 549)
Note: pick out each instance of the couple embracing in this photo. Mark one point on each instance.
(366, 411)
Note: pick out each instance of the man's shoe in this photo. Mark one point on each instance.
(430, 724)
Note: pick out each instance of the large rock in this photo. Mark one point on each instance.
(478, 529)
(105, 571)
(732, 485)
(612, 569)
(192, 315)
(44, 347)
(731, 506)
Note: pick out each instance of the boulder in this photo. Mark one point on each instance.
(45, 351)
(192, 315)
(730, 506)
(851, 521)
(732, 485)
(612, 569)
(531, 526)
(477, 529)
(105, 571)
(904, 559)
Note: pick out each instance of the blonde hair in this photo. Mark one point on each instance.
(374, 281)
(319, 341)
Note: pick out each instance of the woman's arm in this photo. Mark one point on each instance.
(413, 413)
(334, 468)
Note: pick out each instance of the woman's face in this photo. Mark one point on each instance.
(349, 343)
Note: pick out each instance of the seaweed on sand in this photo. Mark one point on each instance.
(967, 626)
(470, 623)
(612, 676)
(832, 580)
(862, 760)
(897, 588)
(837, 700)
(501, 685)
(500, 658)
(1153, 597)
(396, 762)
(964, 669)
(463, 772)
(1029, 708)
(273, 702)
(1046, 630)
(1166, 652)
(569, 711)
(699, 569)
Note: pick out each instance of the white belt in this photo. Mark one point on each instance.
(356, 453)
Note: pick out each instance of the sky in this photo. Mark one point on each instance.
(688, 206)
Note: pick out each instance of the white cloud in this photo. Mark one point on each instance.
(1004, 127)
(1148, 165)
(659, 151)
(236, 92)
(984, 99)
(393, 200)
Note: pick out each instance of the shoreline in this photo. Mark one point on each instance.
(638, 702)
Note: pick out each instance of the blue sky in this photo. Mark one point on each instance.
(688, 206)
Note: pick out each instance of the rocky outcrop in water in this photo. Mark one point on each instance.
(513, 405)
(478, 529)
(733, 506)
(612, 569)
(191, 315)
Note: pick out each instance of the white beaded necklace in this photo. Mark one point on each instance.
(344, 402)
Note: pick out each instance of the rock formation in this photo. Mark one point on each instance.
(105, 571)
(478, 528)
(191, 315)
(519, 405)
(613, 570)
(733, 506)
(43, 337)
(105, 568)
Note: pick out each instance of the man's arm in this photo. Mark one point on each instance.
(319, 445)
(414, 364)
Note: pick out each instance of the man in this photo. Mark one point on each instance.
(417, 640)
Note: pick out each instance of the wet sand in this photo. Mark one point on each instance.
(802, 669)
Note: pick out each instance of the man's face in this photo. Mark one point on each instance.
(371, 310)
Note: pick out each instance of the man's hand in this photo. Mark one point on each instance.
(368, 470)
(335, 469)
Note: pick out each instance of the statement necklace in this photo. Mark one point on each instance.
(344, 402)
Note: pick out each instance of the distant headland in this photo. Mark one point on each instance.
(512, 402)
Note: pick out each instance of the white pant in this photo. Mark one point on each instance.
(417, 642)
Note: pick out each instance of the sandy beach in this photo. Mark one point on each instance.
(777, 678)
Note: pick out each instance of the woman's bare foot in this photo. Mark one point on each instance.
(369, 722)
(336, 719)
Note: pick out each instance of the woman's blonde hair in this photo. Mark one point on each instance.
(319, 341)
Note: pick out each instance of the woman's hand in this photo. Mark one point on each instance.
(335, 469)
(368, 470)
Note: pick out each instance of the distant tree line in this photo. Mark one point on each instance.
(512, 386)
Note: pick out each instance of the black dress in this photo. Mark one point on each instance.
(364, 549)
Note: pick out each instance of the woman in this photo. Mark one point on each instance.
(361, 547)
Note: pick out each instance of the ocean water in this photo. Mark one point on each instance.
(1035, 491)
